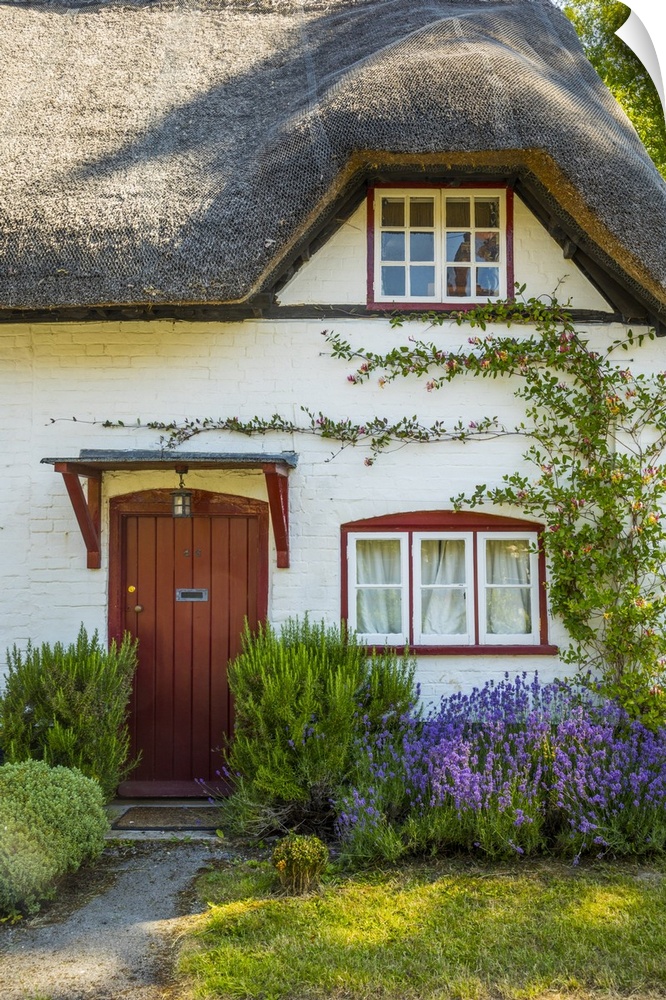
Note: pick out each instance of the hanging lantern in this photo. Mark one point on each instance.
(181, 499)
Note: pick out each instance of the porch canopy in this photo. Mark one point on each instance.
(91, 465)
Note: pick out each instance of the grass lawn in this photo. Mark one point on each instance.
(434, 930)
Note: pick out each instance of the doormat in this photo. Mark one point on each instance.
(169, 818)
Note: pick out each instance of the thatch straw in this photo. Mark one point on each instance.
(176, 152)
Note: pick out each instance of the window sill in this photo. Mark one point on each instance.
(402, 306)
(540, 650)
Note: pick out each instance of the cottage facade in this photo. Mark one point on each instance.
(189, 197)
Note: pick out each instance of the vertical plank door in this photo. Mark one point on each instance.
(187, 587)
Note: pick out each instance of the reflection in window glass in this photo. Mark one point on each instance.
(455, 230)
(421, 246)
(393, 246)
(486, 212)
(393, 281)
(458, 246)
(486, 246)
(508, 612)
(422, 281)
(508, 561)
(458, 281)
(487, 281)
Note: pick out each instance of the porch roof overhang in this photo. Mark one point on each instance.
(91, 465)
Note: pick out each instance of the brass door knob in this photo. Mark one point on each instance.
(138, 608)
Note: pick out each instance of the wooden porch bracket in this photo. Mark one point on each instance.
(91, 465)
(277, 487)
(87, 511)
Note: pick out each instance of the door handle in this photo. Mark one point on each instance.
(138, 608)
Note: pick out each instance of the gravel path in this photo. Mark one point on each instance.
(112, 932)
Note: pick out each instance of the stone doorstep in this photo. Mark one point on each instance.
(172, 829)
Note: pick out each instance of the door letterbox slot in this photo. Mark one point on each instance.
(191, 595)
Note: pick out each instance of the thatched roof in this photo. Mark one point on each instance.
(183, 152)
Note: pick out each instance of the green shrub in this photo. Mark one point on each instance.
(302, 700)
(300, 862)
(51, 820)
(68, 706)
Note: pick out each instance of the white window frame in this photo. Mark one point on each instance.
(439, 639)
(508, 639)
(475, 589)
(439, 195)
(375, 638)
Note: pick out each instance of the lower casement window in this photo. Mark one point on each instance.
(433, 589)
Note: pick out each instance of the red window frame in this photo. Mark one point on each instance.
(430, 305)
(442, 521)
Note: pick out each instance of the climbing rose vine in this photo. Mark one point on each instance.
(595, 433)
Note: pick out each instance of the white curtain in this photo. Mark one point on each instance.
(509, 592)
(443, 604)
(379, 605)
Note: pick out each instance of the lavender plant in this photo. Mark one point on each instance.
(513, 768)
(610, 783)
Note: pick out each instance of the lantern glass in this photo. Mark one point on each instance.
(181, 503)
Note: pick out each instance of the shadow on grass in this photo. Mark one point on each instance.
(426, 932)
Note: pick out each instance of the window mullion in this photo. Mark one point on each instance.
(440, 248)
(412, 631)
(476, 587)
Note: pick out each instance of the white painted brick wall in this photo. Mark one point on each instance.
(164, 370)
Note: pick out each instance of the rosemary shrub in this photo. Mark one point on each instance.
(303, 697)
(67, 705)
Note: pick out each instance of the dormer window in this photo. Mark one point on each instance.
(438, 246)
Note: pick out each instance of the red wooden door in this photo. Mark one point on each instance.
(184, 588)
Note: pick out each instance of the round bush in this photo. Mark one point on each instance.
(51, 820)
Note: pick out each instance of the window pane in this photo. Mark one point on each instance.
(458, 246)
(421, 247)
(457, 212)
(378, 561)
(508, 611)
(393, 281)
(508, 561)
(458, 281)
(487, 281)
(487, 246)
(486, 212)
(422, 281)
(379, 611)
(421, 213)
(393, 211)
(443, 561)
(443, 611)
(393, 246)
